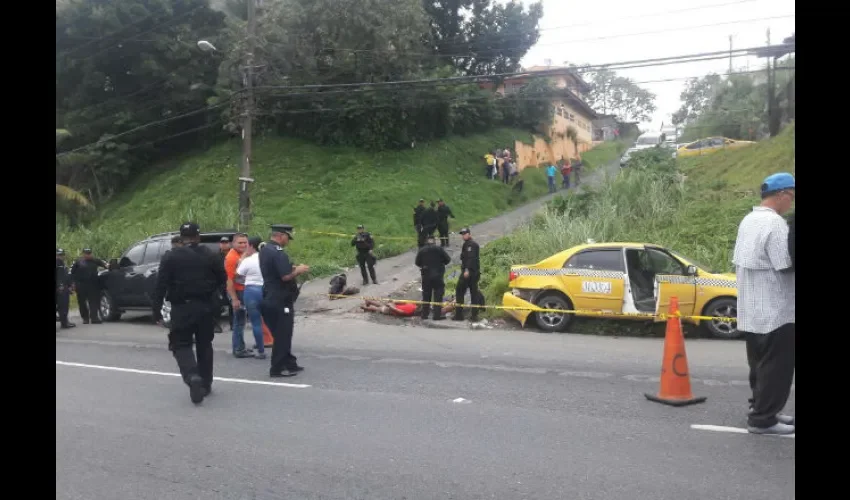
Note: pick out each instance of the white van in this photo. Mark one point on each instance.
(645, 141)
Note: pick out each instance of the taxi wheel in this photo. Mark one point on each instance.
(724, 307)
(553, 322)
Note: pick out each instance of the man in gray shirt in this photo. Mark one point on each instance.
(766, 303)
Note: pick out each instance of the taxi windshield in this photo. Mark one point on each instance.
(692, 261)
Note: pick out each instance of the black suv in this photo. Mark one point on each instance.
(129, 282)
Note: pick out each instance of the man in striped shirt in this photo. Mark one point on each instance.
(766, 302)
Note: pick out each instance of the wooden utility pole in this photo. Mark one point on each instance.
(730, 54)
(245, 179)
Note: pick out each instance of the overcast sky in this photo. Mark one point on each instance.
(568, 25)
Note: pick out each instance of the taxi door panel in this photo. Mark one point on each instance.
(594, 280)
(681, 287)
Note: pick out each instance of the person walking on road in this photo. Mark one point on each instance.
(191, 276)
(443, 214)
(249, 271)
(280, 291)
(365, 246)
(432, 261)
(64, 286)
(470, 266)
(766, 305)
(84, 272)
(235, 290)
(566, 169)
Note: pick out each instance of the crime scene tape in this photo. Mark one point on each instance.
(533, 308)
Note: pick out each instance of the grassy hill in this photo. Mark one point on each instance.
(692, 205)
(317, 189)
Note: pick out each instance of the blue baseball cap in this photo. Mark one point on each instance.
(777, 182)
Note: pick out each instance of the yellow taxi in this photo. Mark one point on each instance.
(621, 279)
(710, 145)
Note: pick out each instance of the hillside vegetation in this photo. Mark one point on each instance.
(692, 206)
(315, 188)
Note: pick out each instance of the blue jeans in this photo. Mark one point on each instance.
(551, 184)
(239, 326)
(253, 297)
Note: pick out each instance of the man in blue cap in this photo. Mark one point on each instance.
(766, 305)
(280, 291)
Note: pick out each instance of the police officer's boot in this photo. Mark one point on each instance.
(185, 358)
(374, 279)
(473, 316)
(458, 315)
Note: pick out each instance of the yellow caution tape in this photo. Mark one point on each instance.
(533, 308)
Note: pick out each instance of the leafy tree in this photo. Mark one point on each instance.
(493, 36)
(617, 95)
(67, 197)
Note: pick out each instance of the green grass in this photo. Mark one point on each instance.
(694, 211)
(603, 154)
(314, 188)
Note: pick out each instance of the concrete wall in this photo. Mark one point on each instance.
(541, 151)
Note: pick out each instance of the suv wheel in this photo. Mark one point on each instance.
(108, 311)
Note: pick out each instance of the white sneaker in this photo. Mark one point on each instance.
(781, 417)
(779, 429)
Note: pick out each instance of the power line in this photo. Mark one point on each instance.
(447, 80)
(96, 39)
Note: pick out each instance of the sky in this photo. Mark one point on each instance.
(689, 27)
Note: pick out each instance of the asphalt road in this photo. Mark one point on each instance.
(374, 417)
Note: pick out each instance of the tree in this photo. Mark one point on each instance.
(65, 195)
(617, 95)
(696, 97)
(493, 37)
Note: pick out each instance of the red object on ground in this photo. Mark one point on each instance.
(406, 309)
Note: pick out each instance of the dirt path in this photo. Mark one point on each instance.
(399, 272)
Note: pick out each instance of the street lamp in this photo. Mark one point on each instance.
(206, 46)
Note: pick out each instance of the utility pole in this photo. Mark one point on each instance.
(245, 179)
(730, 54)
(773, 128)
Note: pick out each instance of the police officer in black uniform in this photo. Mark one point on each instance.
(84, 272)
(432, 261)
(63, 289)
(191, 277)
(443, 214)
(470, 267)
(429, 219)
(280, 291)
(365, 257)
(417, 222)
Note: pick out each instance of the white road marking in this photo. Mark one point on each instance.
(723, 428)
(165, 374)
(461, 400)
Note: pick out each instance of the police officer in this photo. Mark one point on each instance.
(84, 272)
(365, 257)
(191, 276)
(432, 261)
(417, 222)
(428, 219)
(470, 266)
(280, 291)
(443, 214)
(63, 289)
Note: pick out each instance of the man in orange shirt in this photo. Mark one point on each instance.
(235, 288)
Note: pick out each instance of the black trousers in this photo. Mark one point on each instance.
(420, 236)
(192, 323)
(772, 361)
(443, 229)
(88, 298)
(365, 260)
(281, 325)
(433, 289)
(63, 302)
(471, 284)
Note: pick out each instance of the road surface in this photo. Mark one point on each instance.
(388, 412)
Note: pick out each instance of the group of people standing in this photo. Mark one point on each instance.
(567, 167)
(258, 274)
(433, 218)
(83, 277)
(501, 166)
(432, 261)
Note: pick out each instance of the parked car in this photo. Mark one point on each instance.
(645, 141)
(129, 282)
(710, 145)
(621, 278)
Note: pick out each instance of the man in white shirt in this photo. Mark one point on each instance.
(766, 305)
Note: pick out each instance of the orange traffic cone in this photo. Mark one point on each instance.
(675, 378)
(268, 340)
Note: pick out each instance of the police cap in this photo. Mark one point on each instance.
(421, 200)
(60, 251)
(360, 226)
(190, 229)
(464, 231)
(224, 239)
(283, 228)
(87, 251)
